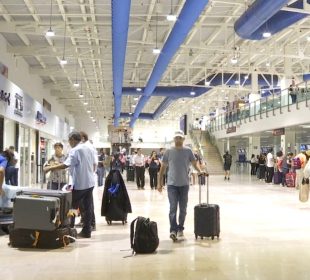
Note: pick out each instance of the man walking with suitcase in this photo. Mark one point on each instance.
(178, 159)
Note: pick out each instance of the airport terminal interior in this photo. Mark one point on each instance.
(226, 78)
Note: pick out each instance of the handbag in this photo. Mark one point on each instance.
(304, 190)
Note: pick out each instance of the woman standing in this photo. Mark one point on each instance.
(153, 165)
(253, 165)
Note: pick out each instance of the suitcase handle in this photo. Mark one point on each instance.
(200, 182)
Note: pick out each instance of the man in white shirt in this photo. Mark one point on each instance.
(138, 163)
(270, 166)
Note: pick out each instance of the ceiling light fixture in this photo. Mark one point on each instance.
(234, 60)
(156, 50)
(50, 32)
(88, 111)
(267, 63)
(207, 83)
(266, 34)
(63, 61)
(192, 93)
(171, 16)
(135, 98)
(85, 103)
(76, 84)
(81, 95)
(139, 89)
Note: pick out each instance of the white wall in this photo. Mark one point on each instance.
(31, 84)
(158, 131)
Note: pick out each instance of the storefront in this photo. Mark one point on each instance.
(30, 128)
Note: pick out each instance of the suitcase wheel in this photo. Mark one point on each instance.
(123, 222)
(196, 236)
(109, 222)
(212, 237)
(201, 237)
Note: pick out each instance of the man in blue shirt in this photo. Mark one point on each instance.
(3, 164)
(81, 162)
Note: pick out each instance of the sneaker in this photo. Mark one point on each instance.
(225, 178)
(180, 234)
(173, 236)
(228, 178)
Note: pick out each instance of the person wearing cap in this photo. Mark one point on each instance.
(178, 158)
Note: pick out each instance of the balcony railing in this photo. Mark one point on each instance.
(265, 106)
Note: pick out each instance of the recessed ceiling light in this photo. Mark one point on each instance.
(267, 63)
(138, 89)
(207, 83)
(246, 77)
(85, 103)
(133, 105)
(81, 95)
(192, 93)
(76, 84)
(237, 82)
(88, 111)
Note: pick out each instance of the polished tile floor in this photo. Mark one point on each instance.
(265, 234)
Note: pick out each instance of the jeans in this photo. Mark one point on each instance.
(270, 172)
(153, 177)
(177, 196)
(140, 170)
(10, 176)
(84, 197)
(100, 174)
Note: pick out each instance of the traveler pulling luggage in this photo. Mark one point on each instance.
(206, 216)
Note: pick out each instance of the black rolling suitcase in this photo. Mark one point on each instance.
(130, 174)
(206, 216)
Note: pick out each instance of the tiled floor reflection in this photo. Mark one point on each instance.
(265, 234)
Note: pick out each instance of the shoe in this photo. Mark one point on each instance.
(173, 236)
(83, 235)
(180, 234)
(93, 228)
(225, 178)
(228, 178)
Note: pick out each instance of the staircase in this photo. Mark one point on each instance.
(208, 151)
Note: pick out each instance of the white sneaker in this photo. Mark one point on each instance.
(180, 234)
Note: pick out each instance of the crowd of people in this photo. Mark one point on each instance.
(274, 168)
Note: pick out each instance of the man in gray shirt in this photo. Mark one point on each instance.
(178, 159)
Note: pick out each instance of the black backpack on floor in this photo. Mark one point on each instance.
(143, 236)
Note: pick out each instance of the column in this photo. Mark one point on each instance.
(254, 146)
(288, 141)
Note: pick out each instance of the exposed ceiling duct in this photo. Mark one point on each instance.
(266, 17)
(186, 20)
(120, 24)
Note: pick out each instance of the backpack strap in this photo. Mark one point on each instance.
(132, 233)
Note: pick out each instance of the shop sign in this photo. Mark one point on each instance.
(19, 105)
(5, 97)
(231, 129)
(278, 132)
(40, 118)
